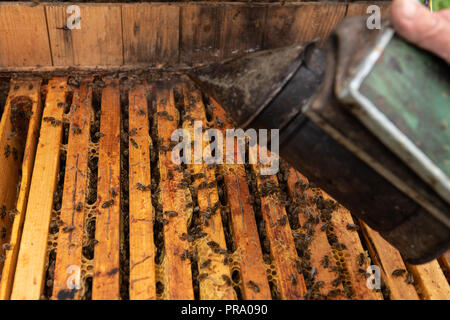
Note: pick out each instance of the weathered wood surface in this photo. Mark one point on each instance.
(141, 216)
(216, 286)
(158, 34)
(70, 244)
(23, 36)
(243, 223)
(106, 280)
(430, 281)
(282, 247)
(173, 198)
(353, 254)
(320, 248)
(150, 33)
(29, 276)
(13, 188)
(98, 41)
(390, 262)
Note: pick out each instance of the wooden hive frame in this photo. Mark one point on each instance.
(96, 193)
(98, 209)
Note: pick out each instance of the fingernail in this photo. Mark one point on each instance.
(408, 9)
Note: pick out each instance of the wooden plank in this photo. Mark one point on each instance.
(23, 36)
(29, 276)
(319, 246)
(360, 9)
(106, 283)
(389, 260)
(173, 198)
(30, 89)
(150, 33)
(340, 218)
(142, 247)
(216, 285)
(97, 42)
(444, 261)
(70, 244)
(291, 285)
(289, 24)
(200, 34)
(243, 223)
(430, 281)
(242, 29)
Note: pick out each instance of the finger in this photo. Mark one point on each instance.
(417, 24)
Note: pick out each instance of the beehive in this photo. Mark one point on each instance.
(90, 192)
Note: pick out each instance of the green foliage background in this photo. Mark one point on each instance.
(440, 4)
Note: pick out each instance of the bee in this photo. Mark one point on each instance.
(4, 232)
(254, 286)
(352, 227)
(6, 246)
(68, 228)
(49, 119)
(226, 260)
(3, 211)
(409, 278)
(202, 276)
(142, 187)
(325, 261)
(211, 184)
(226, 279)
(164, 221)
(221, 251)
(79, 207)
(141, 112)
(337, 281)
(293, 277)
(99, 135)
(361, 259)
(170, 174)
(76, 130)
(205, 263)
(73, 82)
(325, 226)
(7, 151)
(113, 192)
(132, 132)
(184, 255)
(15, 154)
(313, 273)
(134, 143)
(189, 205)
(213, 244)
(107, 204)
(282, 221)
(171, 213)
(334, 293)
(202, 185)
(398, 272)
(205, 214)
(183, 236)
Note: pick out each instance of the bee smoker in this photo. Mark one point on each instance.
(356, 119)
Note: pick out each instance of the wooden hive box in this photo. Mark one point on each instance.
(91, 204)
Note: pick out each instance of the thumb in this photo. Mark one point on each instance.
(429, 30)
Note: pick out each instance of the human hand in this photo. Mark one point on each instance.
(429, 30)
